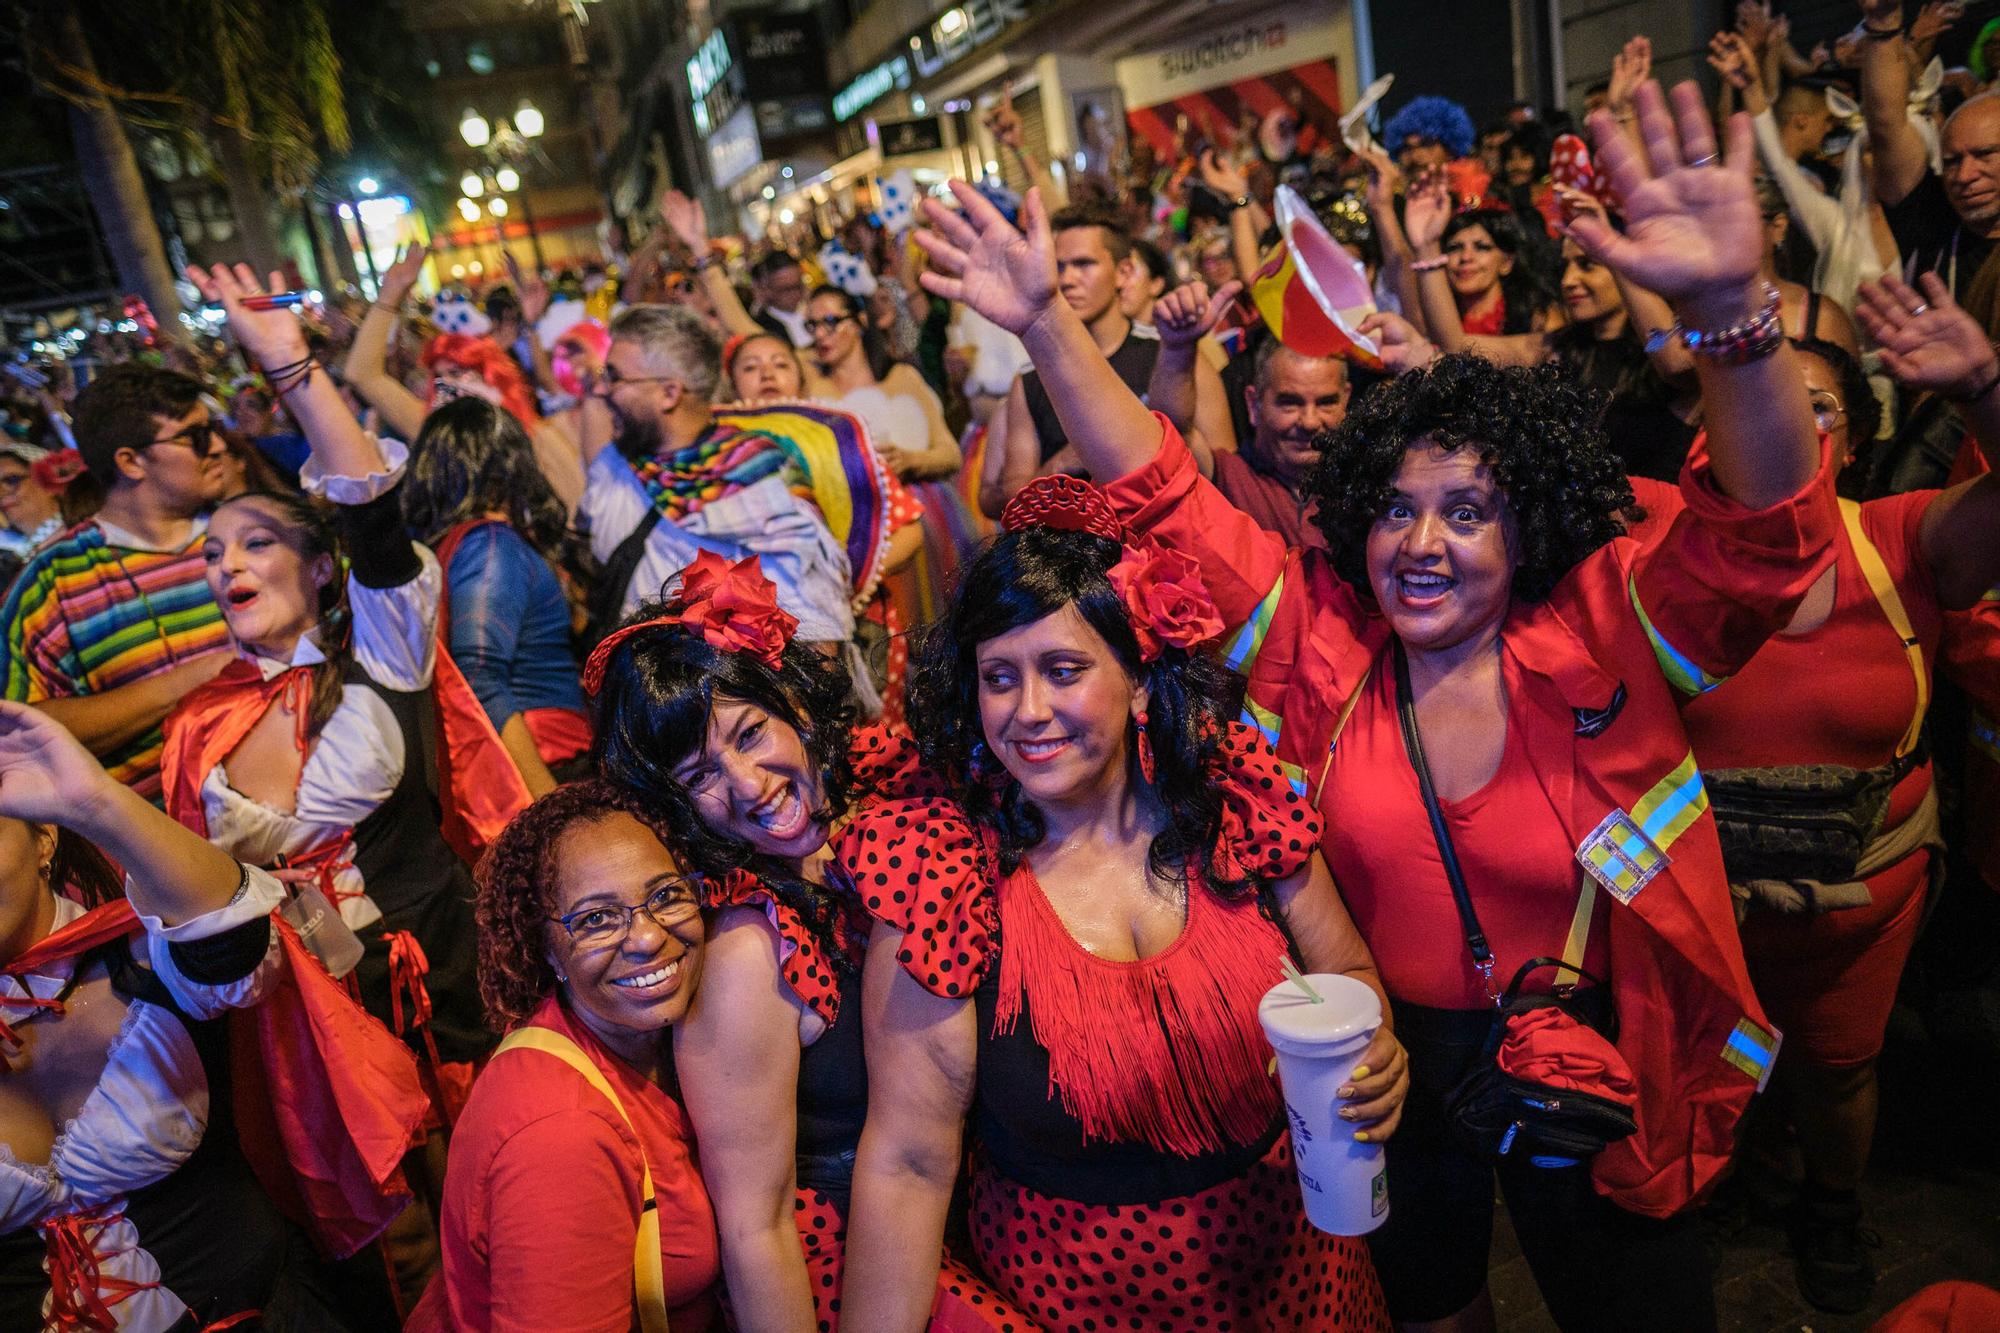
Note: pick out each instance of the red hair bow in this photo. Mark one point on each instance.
(57, 470)
(733, 607)
(1162, 590)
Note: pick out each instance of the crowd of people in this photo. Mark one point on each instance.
(760, 786)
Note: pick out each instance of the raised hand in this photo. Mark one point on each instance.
(1927, 341)
(273, 338)
(535, 297)
(1003, 122)
(1881, 13)
(1385, 179)
(1399, 343)
(1426, 210)
(1729, 55)
(1185, 314)
(685, 218)
(1753, 21)
(1693, 231)
(402, 276)
(979, 258)
(1632, 66)
(1935, 19)
(46, 776)
(1225, 178)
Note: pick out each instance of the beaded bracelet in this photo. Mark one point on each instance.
(288, 378)
(1430, 265)
(1739, 344)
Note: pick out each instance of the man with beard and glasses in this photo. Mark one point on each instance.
(110, 623)
(1293, 401)
(682, 480)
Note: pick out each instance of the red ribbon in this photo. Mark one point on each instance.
(81, 1294)
(327, 860)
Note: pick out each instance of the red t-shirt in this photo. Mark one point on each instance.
(1507, 835)
(541, 1200)
(1273, 504)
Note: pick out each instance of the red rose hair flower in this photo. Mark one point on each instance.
(733, 607)
(1165, 599)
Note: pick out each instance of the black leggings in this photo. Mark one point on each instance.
(1598, 1266)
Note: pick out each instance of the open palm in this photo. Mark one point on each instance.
(46, 776)
(1926, 341)
(1693, 232)
(981, 259)
(273, 338)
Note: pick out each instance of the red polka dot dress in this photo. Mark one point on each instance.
(1131, 1166)
(821, 967)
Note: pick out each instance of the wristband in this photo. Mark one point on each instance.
(1881, 34)
(1431, 265)
(1240, 201)
(1751, 340)
(705, 263)
(1982, 391)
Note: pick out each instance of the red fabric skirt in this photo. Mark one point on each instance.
(1240, 1256)
(965, 1303)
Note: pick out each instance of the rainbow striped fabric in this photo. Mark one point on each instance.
(85, 617)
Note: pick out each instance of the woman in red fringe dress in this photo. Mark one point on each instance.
(741, 738)
(1075, 957)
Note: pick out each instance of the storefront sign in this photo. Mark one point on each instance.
(734, 149)
(899, 138)
(711, 92)
(870, 86)
(781, 55)
(1224, 54)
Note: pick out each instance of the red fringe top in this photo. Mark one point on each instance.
(1165, 1050)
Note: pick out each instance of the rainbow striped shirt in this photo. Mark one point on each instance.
(85, 616)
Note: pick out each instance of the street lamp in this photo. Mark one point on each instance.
(497, 206)
(472, 128)
(468, 210)
(368, 185)
(470, 185)
(528, 120)
(508, 179)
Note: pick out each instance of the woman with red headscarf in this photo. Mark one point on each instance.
(459, 364)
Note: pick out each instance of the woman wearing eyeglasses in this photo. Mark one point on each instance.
(1815, 767)
(573, 1200)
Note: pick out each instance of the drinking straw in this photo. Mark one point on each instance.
(1297, 978)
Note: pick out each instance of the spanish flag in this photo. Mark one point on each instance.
(1311, 292)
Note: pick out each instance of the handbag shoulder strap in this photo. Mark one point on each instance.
(648, 1272)
(1413, 745)
(1876, 571)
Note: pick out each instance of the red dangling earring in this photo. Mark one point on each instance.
(1145, 749)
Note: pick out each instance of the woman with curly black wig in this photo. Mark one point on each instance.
(1481, 605)
(742, 737)
(1073, 953)
(477, 498)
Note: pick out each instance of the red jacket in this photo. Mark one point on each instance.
(1624, 639)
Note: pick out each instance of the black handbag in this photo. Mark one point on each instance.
(1502, 1114)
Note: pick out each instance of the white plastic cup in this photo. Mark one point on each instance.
(1319, 1043)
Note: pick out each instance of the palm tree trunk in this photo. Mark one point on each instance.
(111, 179)
(248, 201)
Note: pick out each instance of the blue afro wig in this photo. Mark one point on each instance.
(1437, 118)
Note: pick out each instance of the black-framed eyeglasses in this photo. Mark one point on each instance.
(827, 322)
(673, 904)
(202, 438)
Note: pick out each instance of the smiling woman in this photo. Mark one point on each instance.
(573, 1194)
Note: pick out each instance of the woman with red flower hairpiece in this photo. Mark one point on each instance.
(742, 738)
(1073, 955)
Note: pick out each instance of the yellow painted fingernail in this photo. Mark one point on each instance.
(1362, 1072)
(1361, 1136)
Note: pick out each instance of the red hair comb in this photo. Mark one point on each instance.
(1067, 504)
(733, 607)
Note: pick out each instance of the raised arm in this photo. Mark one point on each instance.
(1247, 218)
(1693, 235)
(1897, 149)
(689, 225)
(1426, 210)
(978, 257)
(47, 777)
(367, 367)
(1004, 124)
(1183, 316)
(276, 341)
(1928, 343)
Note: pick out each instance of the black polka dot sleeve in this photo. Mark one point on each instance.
(920, 867)
(1269, 828)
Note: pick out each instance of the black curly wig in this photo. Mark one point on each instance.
(1018, 579)
(652, 713)
(1537, 429)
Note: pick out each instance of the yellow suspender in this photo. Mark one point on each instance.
(648, 1275)
(1884, 589)
(1579, 933)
